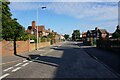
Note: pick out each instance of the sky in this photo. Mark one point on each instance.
(64, 17)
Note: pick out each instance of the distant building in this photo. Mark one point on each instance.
(84, 35)
(116, 34)
(41, 30)
(118, 29)
(93, 35)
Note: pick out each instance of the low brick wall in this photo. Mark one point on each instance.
(7, 48)
(32, 46)
(44, 44)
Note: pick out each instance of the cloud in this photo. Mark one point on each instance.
(90, 11)
(95, 11)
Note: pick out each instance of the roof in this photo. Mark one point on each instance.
(92, 31)
(103, 31)
(47, 31)
(118, 29)
(84, 32)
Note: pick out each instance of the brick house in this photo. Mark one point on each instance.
(102, 34)
(32, 29)
(84, 36)
(93, 35)
(41, 30)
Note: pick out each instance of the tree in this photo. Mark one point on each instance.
(116, 35)
(66, 36)
(76, 35)
(51, 36)
(11, 29)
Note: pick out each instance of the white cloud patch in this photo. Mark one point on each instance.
(80, 10)
(90, 11)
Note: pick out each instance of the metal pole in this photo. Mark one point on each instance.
(37, 28)
(37, 24)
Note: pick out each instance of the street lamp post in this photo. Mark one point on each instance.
(37, 23)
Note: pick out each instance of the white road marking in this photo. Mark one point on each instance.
(25, 60)
(9, 62)
(8, 69)
(36, 57)
(5, 75)
(16, 69)
(30, 61)
(25, 64)
(18, 64)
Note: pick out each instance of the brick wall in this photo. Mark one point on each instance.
(22, 46)
(44, 44)
(8, 47)
(32, 46)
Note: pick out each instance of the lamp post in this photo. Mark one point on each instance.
(37, 23)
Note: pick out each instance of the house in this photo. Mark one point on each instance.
(93, 35)
(41, 30)
(84, 36)
(118, 29)
(102, 34)
(116, 34)
(32, 29)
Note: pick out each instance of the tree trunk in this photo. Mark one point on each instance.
(15, 51)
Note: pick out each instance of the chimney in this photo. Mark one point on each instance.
(34, 24)
(118, 26)
(96, 28)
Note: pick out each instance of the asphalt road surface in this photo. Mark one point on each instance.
(67, 60)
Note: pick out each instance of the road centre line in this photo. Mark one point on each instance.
(18, 64)
(5, 75)
(25, 64)
(14, 70)
(8, 69)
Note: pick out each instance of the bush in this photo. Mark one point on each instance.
(51, 42)
(43, 39)
(33, 38)
(48, 39)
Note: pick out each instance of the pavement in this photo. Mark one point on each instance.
(65, 60)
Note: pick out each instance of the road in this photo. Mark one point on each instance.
(67, 60)
(108, 58)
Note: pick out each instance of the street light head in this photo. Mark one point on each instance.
(43, 7)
